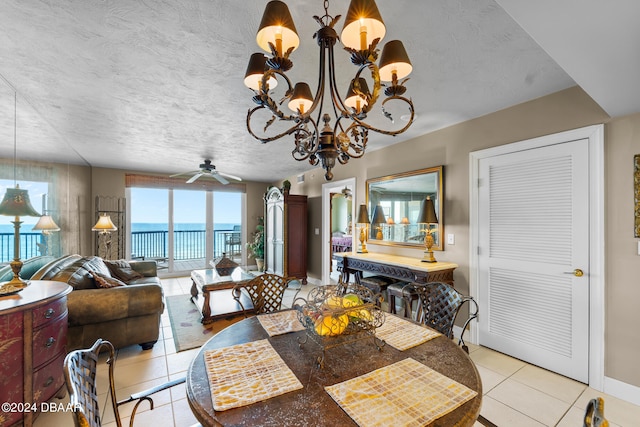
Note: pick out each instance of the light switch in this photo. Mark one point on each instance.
(317, 231)
(638, 248)
(451, 239)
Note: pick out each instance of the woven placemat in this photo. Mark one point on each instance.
(402, 334)
(406, 393)
(247, 373)
(281, 322)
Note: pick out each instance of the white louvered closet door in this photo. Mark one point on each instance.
(534, 223)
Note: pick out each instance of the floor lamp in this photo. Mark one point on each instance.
(104, 227)
(16, 203)
(46, 225)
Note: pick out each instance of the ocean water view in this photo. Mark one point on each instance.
(147, 240)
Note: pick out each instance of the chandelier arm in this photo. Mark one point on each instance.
(387, 132)
(305, 147)
(353, 150)
(271, 138)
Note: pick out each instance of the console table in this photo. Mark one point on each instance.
(33, 333)
(398, 267)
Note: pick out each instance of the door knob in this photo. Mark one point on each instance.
(577, 272)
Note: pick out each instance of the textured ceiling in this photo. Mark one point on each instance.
(157, 85)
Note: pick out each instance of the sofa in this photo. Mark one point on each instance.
(122, 304)
(29, 266)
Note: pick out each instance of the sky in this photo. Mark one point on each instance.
(151, 206)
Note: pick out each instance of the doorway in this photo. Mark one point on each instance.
(536, 262)
(327, 190)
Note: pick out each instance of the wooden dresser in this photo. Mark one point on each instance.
(33, 336)
(285, 224)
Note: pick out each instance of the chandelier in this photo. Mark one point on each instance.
(347, 138)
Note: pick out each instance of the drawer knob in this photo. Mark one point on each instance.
(48, 382)
(49, 313)
(50, 342)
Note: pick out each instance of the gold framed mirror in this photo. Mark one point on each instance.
(394, 204)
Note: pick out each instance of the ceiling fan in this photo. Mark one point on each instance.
(207, 168)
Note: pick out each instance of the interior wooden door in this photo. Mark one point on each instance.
(533, 256)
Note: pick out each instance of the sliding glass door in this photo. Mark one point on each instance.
(185, 229)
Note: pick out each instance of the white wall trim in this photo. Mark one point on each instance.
(623, 391)
(327, 189)
(595, 135)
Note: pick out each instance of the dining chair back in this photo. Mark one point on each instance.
(438, 307)
(266, 292)
(594, 414)
(80, 369)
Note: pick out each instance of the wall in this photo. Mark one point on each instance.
(565, 110)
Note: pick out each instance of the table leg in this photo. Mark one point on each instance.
(194, 291)
(206, 308)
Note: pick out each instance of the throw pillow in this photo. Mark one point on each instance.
(104, 281)
(122, 270)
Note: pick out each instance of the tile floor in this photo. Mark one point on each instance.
(515, 393)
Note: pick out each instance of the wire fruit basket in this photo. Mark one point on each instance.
(335, 315)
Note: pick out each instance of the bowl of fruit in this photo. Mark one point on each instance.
(338, 310)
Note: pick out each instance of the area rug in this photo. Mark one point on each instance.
(187, 330)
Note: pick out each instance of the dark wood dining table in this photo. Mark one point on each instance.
(312, 405)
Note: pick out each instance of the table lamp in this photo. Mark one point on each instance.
(363, 220)
(16, 203)
(378, 219)
(427, 215)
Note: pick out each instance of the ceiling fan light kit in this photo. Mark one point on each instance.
(208, 169)
(347, 138)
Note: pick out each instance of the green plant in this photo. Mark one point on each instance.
(256, 245)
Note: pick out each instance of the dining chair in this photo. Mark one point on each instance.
(594, 414)
(438, 307)
(266, 292)
(80, 367)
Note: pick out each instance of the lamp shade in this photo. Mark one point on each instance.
(378, 215)
(427, 213)
(404, 220)
(362, 25)
(104, 224)
(46, 224)
(353, 100)
(255, 71)
(16, 203)
(301, 99)
(363, 215)
(394, 59)
(277, 27)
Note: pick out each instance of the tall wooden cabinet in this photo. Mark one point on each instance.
(285, 224)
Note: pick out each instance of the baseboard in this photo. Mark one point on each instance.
(313, 281)
(627, 392)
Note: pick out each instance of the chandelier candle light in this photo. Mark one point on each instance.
(363, 30)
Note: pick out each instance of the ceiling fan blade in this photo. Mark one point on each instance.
(194, 177)
(237, 178)
(184, 173)
(219, 177)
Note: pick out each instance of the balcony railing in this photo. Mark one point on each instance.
(28, 246)
(148, 244)
(189, 244)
